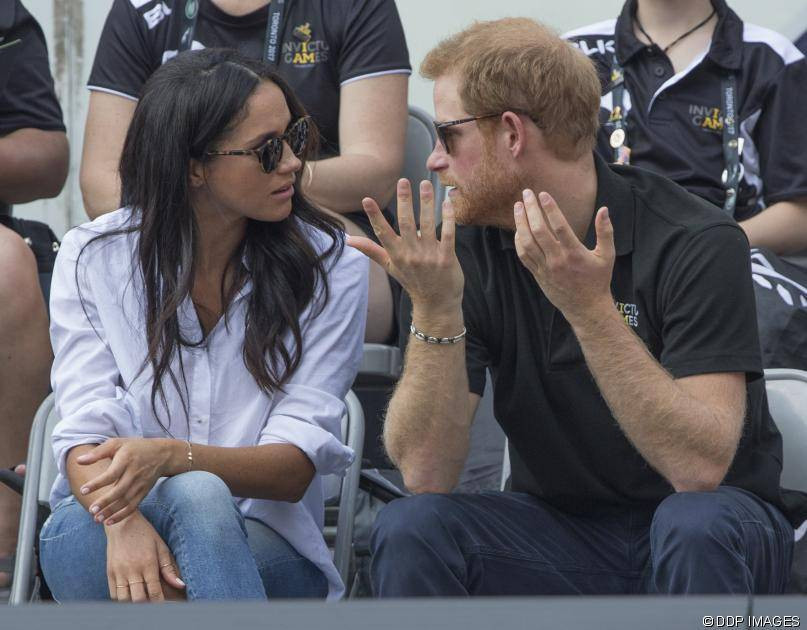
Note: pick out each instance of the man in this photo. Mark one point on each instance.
(670, 70)
(33, 165)
(622, 346)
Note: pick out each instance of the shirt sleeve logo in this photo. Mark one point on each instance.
(156, 15)
(629, 312)
(304, 51)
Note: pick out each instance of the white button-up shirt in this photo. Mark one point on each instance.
(99, 350)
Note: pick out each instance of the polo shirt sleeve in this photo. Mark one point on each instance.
(27, 97)
(123, 60)
(373, 41)
(780, 135)
(708, 310)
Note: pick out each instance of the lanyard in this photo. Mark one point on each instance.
(619, 136)
(732, 143)
(274, 28)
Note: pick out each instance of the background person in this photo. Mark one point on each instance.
(346, 59)
(33, 165)
(190, 331)
(665, 65)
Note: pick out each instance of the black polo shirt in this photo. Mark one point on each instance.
(674, 122)
(682, 283)
(27, 97)
(801, 42)
(324, 45)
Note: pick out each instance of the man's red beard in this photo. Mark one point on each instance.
(488, 197)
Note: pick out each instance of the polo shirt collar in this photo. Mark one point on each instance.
(612, 191)
(726, 48)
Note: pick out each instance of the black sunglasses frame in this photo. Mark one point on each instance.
(440, 127)
(270, 153)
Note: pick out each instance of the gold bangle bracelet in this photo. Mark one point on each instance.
(190, 455)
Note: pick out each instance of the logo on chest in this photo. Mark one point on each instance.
(706, 118)
(629, 312)
(304, 51)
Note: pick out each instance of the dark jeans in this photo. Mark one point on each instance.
(505, 543)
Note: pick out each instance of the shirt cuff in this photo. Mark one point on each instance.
(328, 455)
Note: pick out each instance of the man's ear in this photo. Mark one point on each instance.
(197, 173)
(515, 134)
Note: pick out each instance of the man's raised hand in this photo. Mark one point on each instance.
(426, 267)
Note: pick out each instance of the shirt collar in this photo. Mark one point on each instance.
(725, 50)
(612, 191)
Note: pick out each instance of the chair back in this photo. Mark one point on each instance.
(787, 401)
(420, 140)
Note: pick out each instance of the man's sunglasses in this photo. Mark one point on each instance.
(443, 135)
(270, 153)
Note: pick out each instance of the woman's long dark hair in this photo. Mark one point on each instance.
(186, 107)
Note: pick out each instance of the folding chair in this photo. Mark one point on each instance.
(341, 493)
(787, 401)
(40, 473)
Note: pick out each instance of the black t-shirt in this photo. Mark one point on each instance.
(324, 45)
(801, 43)
(674, 122)
(682, 282)
(27, 98)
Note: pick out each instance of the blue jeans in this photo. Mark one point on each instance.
(505, 543)
(220, 554)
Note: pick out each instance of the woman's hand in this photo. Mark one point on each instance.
(137, 464)
(139, 565)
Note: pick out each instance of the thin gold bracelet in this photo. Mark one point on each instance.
(190, 455)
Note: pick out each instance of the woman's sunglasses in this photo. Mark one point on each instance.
(270, 153)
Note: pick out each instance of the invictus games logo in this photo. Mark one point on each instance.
(305, 51)
(629, 312)
(707, 118)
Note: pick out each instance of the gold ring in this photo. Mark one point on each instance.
(130, 583)
(124, 586)
(167, 564)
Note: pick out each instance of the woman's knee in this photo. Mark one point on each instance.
(72, 553)
(195, 490)
(198, 503)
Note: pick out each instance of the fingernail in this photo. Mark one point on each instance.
(94, 508)
(544, 197)
(110, 521)
(85, 490)
(527, 194)
(518, 208)
(180, 582)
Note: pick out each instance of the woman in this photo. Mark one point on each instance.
(190, 332)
